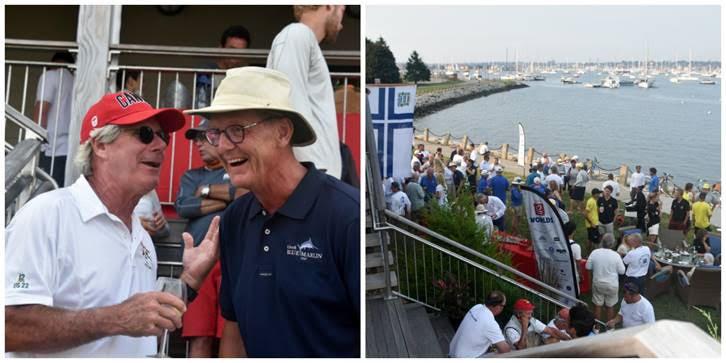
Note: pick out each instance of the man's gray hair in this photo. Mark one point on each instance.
(637, 237)
(104, 135)
(608, 241)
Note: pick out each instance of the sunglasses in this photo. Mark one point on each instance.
(146, 134)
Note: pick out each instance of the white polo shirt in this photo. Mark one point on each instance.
(400, 203)
(64, 249)
(477, 331)
(637, 262)
(513, 329)
(637, 313)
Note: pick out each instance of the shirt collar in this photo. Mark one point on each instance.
(89, 205)
(299, 203)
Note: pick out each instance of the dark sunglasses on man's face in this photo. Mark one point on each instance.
(146, 135)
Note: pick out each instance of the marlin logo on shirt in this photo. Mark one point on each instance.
(304, 250)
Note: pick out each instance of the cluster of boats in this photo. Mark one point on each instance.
(616, 82)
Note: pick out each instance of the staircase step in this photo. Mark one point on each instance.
(373, 240)
(424, 342)
(375, 259)
(443, 329)
(377, 281)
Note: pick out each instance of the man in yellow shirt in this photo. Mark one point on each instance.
(592, 220)
(702, 213)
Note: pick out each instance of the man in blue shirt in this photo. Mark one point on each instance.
(517, 209)
(428, 183)
(290, 249)
(483, 184)
(653, 186)
(499, 184)
(532, 174)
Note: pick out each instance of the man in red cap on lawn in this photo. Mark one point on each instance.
(523, 330)
(80, 271)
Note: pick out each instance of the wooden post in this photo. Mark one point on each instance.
(98, 27)
(530, 156)
(505, 151)
(447, 139)
(465, 142)
(426, 134)
(623, 176)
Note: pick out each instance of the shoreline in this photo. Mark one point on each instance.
(433, 102)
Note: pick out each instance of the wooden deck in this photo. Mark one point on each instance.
(398, 330)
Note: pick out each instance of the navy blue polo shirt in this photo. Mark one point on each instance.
(291, 280)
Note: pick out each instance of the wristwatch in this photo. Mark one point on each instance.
(205, 191)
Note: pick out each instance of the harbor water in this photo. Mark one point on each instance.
(675, 128)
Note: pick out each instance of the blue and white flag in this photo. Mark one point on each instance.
(392, 116)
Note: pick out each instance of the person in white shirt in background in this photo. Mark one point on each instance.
(554, 175)
(483, 220)
(495, 209)
(606, 266)
(52, 111)
(474, 155)
(611, 182)
(570, 228)
(635, 309)
(636, 180)
(441, 195)
(296, 52)
(561, 322)
(484, 148)
(479, 330)
(637, 261)
(523, 327)
(400, 204)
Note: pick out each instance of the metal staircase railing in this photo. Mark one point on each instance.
(424, 256)
(23, 179)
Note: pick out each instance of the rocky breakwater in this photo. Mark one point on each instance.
(439, 99)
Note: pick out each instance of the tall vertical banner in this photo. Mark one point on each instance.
(551, 247)
(392, 116)
(520, 148)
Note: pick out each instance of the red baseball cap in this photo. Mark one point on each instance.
(523, 305)
(126, 108)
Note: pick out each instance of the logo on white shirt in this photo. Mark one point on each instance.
(20, 283)
(147, 257)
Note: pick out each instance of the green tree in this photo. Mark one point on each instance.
(380, 62)
(416, 69)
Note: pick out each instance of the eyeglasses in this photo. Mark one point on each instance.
(146, 134)
(235, 133)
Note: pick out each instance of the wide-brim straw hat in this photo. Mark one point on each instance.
(256, 88)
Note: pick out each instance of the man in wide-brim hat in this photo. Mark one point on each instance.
(290, 248)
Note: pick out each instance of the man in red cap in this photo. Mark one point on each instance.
(80, 269)
(524, 330)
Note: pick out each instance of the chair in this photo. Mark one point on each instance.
(704, 288)
(671, 238)
(659, 283)
(715, 241)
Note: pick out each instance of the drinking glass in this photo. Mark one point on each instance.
(177, 288)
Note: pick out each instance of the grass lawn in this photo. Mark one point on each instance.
(422, 89)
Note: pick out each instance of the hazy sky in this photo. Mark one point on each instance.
(443, 34)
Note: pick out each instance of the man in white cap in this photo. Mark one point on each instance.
(499, 184)
(293, 241)
(296, 52)
(80, 270)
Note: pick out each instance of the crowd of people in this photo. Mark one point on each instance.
(617, 269)
(81, 267)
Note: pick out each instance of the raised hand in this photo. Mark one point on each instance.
(198, 261)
